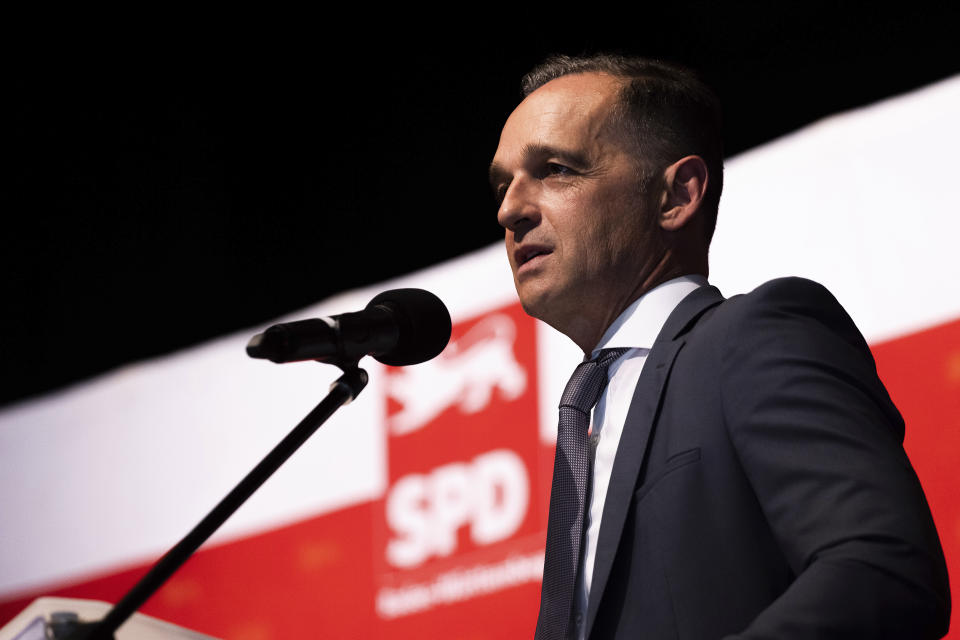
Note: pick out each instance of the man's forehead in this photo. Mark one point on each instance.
(580, 93)
(588, 82)
(576, 105)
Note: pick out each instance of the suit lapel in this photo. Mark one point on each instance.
(636, 435)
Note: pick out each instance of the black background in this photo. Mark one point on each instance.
(168, 184)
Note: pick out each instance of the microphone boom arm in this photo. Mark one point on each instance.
(345, 389)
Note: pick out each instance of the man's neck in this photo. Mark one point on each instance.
(640, 322)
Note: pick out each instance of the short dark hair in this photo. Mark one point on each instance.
(668, 108)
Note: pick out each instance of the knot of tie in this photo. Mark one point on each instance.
(588, 381)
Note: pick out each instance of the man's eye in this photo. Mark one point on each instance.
(555, 169)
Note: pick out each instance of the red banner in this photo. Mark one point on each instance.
(455, 547)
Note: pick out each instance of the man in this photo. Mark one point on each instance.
(745, 476)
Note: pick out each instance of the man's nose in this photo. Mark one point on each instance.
(518, 209)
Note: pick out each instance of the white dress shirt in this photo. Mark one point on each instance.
(637, 327)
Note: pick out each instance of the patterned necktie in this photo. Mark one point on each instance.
(571, 468)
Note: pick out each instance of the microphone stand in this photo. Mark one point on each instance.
(345, 389)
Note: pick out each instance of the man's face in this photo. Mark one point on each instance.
(580, 235)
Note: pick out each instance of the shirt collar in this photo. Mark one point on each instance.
(641, 322)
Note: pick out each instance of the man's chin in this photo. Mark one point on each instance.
(567, 311)
(541, 303)
(531, 308)
(535, 302)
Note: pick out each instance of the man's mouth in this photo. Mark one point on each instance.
(525, 254)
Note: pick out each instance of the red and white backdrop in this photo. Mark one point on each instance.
(420, 509)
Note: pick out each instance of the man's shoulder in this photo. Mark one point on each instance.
(786, 297)
(783, 304)
(793, 308)
(787, 292)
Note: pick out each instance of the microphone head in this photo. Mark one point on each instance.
(423, 322)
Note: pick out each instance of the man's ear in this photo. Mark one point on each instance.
(685, 185)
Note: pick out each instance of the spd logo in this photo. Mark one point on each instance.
(489, 495)
(465, 374)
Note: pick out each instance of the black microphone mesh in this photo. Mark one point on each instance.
(424, 324)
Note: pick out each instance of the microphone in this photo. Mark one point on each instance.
(398, 327)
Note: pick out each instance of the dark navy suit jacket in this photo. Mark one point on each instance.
(760, 489)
